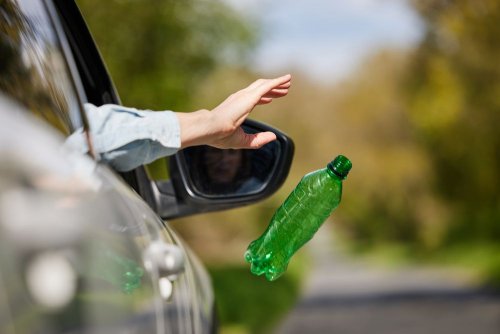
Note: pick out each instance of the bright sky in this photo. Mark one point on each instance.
(328, 38)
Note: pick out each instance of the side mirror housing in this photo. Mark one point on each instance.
(204, 179)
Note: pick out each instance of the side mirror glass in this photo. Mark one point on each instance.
(205, 178)
(215, 173)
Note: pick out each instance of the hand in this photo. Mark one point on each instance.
(221, 127)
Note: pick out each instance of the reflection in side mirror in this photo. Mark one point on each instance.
(206, 179)
(215, 172)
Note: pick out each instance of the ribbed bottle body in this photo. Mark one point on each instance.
(295, 222)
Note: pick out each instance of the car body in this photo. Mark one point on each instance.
(84, 249)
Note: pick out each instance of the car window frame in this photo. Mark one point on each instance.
(96, 84)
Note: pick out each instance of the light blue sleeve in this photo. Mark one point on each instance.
(126, 138)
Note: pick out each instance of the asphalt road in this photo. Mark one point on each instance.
(346, 297)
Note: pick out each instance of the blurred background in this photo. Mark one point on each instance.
(408, 90)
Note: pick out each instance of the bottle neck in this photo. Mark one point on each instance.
(340, 166)
(333, 174)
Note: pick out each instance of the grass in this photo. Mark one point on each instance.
(250, 304)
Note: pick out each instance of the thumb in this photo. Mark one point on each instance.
(257, 140)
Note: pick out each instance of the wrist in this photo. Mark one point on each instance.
(194, 127)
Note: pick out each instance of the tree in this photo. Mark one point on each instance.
(453, 94)
(158, 50)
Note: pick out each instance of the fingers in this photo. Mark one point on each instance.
(277, 84)
(257, 140)
(262, 91)
(266, 85)
(276, 92)
(285, 85)
(243, 140)
(265, 100)
(273, 94)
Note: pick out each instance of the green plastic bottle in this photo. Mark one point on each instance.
(298, 218)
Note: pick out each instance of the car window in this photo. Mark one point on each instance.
(33, 70)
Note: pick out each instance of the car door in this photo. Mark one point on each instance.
(189, 306)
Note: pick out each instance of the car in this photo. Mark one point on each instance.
(84, 248)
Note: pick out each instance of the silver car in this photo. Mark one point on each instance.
(84, 249)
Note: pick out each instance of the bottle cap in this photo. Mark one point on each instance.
(340, 166)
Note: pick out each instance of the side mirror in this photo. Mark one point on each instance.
(206, 179)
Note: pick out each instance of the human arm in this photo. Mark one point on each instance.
(126, 138)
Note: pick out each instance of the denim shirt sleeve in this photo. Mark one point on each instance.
(126, 138)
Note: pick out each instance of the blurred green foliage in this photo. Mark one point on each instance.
(157, 51)
(454, 104)
(249, 303)
(428, 166)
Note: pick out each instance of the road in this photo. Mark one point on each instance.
(347, 297)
